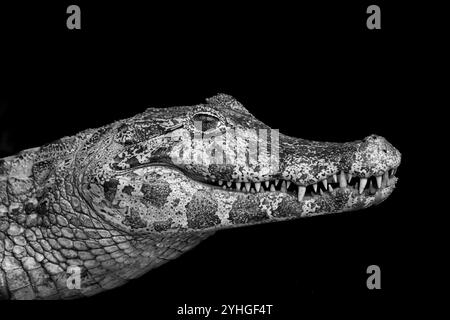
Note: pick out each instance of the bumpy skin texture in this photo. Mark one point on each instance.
(114, 202)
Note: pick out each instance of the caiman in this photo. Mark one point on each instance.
(112, 203)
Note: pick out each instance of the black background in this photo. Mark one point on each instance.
(313, 71)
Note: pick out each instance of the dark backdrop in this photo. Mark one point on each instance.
(313, 71)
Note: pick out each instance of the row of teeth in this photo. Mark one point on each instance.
(341, 180)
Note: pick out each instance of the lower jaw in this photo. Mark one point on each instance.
(236, 208)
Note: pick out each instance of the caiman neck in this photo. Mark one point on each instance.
(47, 231)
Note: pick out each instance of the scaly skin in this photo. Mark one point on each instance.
(125, 198)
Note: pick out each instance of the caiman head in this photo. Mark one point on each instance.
(213, 166)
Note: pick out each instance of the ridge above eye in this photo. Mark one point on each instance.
(205, 121)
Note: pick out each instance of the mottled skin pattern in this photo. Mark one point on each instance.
(114, 202)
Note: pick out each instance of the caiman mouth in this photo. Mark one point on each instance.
(365, 186)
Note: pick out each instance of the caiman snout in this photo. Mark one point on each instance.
(321, 166)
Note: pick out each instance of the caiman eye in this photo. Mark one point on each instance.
(205, 122)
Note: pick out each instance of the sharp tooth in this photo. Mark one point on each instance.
(315, 187)
(247, 186)
(257, 186)
(362, 185)
(385, 179)
(301, 192)
(288, 183)
(229, 183)
(394, 171)
(321, 192)
(220, 182)
(253, 190)
(357, 186)
(335, 178)
(267, 183)
(276, 182)
(349, 177)
(283, 186)
(224, 187)
(272, 187)
(342, 181)
(379, 181)
(325, 183)
(238, 186)
(330, 188)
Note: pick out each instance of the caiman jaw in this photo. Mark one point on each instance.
(313, 178)
(344, 181)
